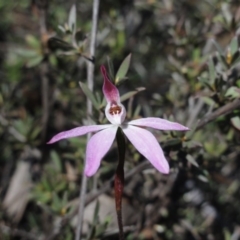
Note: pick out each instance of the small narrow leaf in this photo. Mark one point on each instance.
(89, 94)
(56, 161)
(192, 160)
(72, 19)
(104, 102)
(227, 234)
(235, 57)
(209, 101)
(222, 59)
(62, 28)
(233, 92)
(34, 61)
(202, 178)
(58, 44)
(218, 47)
(211, 71)
(96, 212)
(137, 111)
(123, 69)
(236, 122)
(172, 142)
(189, 134)
(205, 81)
(234, 45)
(131, 93)
(33, 41)
(27, 53)
(110, 68)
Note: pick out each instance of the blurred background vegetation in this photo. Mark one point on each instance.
(185, 53)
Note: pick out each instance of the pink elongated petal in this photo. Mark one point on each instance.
(158, 123)
(110, 91)
(78, 131)
(148, 146)
(98, 145)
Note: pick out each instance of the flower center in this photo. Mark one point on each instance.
(115, 110)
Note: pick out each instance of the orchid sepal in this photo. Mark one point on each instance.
(110, 91)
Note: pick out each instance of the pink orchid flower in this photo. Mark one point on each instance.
(100, 143)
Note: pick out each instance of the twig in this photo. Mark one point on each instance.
(90, 75)
(224, 110)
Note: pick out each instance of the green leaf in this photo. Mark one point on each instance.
(238, 83)
(189, 134)
(202, 178)
(56, 160)
(33, 41)
(130, 94)
(104, 102)
(42, 197)
(137, 111)
(92, 231)
(96, 212)
(218, 47)
(172, 142)
(34, 133)
(222, 59)
(234, 45)
(215, 147)
(233, 92)
(110, 68)
(34, 61)
(212, 72)
(209, 101)
(90, 95)
(235, 57)
(58, 44)
(205, 81)
(72, 19)
(53, 60)
(227, 234)
(56, 202)
(46, 184)
(62, 28)
(192, 160)
(123, 69)
(236, 122)
(27, 53)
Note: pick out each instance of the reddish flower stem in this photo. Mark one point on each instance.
(119, 181)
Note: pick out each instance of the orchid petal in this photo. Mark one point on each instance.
(148, 146)
(158, 123)
(110, 91)
(78, 131)
(98, 145)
